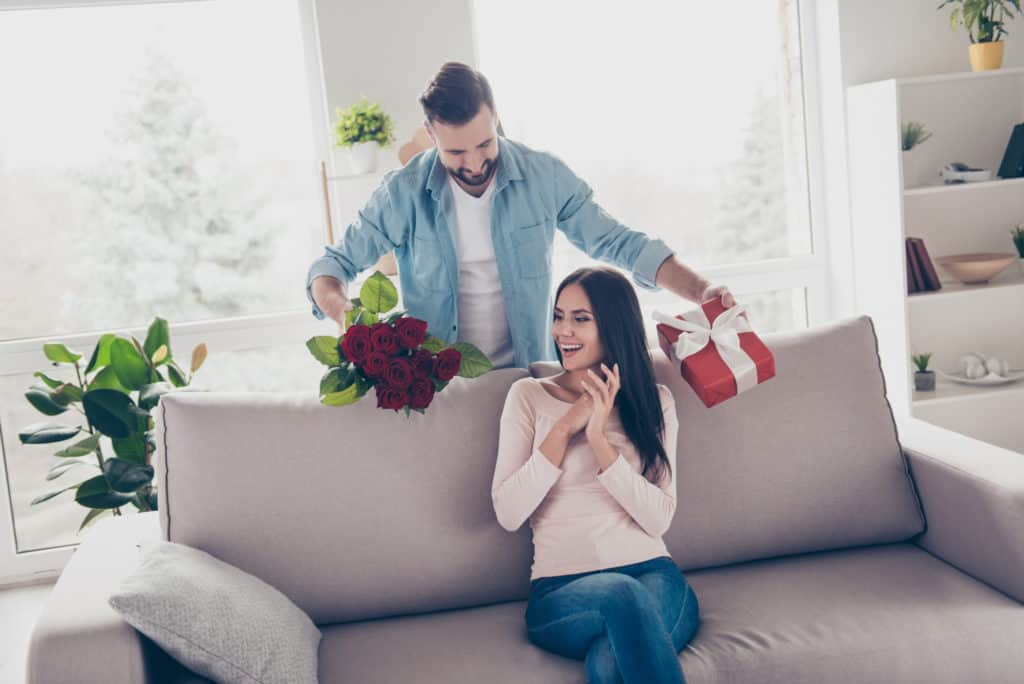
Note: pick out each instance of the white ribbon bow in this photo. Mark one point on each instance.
(724, 332)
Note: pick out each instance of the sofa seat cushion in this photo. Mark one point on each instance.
(890, 613)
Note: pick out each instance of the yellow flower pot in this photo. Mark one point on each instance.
(985, 56)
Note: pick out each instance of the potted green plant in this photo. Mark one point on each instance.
(114, 393)
(985, 23)
(362, 129)
(924, 379)
(912, 134)
(1018, 241)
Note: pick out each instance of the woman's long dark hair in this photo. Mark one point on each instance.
(620, 326)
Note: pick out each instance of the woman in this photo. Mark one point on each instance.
(589, 457)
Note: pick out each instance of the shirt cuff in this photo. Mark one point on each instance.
(324, 266)
(645, 268)
(612, 471)
(544, 467)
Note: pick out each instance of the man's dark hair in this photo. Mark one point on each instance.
(455, 94)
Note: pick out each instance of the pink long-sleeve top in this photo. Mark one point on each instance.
(582, 520)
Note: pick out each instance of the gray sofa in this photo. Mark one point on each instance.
(801, 524)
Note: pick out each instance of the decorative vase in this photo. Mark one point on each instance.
(985, 56)
(924, 381)
(363, 157)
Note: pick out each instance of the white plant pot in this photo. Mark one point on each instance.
(911, 160)
(363, 157)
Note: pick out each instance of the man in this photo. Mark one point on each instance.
(472, 221)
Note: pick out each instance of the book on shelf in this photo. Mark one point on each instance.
(1013, 158)
(920, 265)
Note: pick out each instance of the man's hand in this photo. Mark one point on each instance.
(329, 295)
(722, 291)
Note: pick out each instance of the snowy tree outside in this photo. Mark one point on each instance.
(137, 180)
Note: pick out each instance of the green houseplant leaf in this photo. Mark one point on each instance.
(110, 412)
(41, 399)
(83, 448)
(96, 493)
(157, 336)
(45, 433)
(101, 353)
(125, 477)
(131, 368)
(58, 353)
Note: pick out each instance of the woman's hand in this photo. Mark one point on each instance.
(603, 393)
(576, 418)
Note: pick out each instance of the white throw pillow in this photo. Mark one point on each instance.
(216, 620)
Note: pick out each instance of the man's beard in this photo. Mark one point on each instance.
(489, 166)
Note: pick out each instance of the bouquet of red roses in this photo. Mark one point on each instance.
(394, 355)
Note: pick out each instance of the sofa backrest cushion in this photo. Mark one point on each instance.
(806, 461)
(351, 512)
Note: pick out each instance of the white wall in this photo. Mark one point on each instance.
(388, 50)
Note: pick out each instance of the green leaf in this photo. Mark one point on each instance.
(324, 349)
(336, 379)
(111, 412)
(63, 467)
(126, 477)
(107, 379)
(157, 336)
(129, 365)
(43, 402)
(351, 315)
(131, 448)
(45, 433)
(47, 497)
(149, 395)
(50, 382)
(91, 516)
(347, 396)
(95, 493)
(67, 393)
(176, 375)
(83, 448)
(356, 302)
(378, 294)
(58, 353)
(101, 353)
(474, 362)
(434, 344)
(439, 384)
(395, 316)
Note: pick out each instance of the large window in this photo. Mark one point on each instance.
(155, 160)
(687, 120)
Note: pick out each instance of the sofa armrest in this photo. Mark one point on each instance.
(78, 637)
(973, 498)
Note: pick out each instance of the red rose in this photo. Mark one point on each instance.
(423, 363)
(411, 332)
(375, 364)
(383, 338)
(391, 398)
(448, 363)
(421, 393)
(355, 345)
(399, 373)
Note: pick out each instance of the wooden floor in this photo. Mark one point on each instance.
(19, 608)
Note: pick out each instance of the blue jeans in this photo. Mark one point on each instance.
(627, 623)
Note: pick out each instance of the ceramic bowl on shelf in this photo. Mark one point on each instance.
(976, 267)
(990, 379)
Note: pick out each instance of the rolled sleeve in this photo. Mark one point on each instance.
(645, 268)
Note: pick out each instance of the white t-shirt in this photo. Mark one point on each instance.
(482, 319)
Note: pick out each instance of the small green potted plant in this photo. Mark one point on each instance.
(924, 379)
(361, 130)
(985, 23)
(912, 134)
(1018, 240)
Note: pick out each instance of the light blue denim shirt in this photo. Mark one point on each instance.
(412, 213)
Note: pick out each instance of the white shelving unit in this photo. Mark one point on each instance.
(895, 196)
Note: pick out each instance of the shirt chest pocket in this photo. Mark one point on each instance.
(428, 264)
(532, 245)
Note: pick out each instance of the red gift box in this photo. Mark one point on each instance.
(721, 359)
